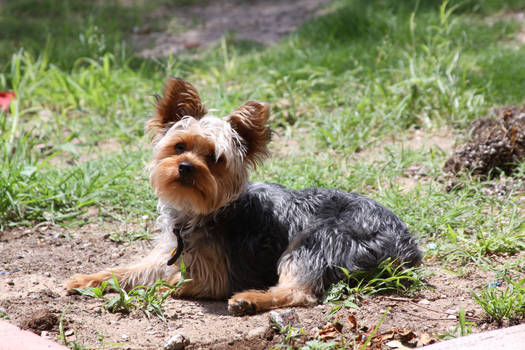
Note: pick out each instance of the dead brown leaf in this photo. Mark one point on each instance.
(353, 323)
(426, 339)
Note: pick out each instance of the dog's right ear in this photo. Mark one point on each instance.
(180, 99)
(249, 121)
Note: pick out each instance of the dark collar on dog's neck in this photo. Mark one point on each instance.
(180, 245)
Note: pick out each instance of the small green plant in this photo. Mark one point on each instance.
(389, 276)
(289, 336)
(364, 346)
(321, 345)
(463, 327)
(62, 335)
(149, 299)
(123, 302)
(503, 304)
(4, 315)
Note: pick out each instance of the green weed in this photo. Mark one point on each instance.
(149, 299)
(62, 336)
(503, 304)
(289, 336)
(387, 277)
(4, 315)
(462, 329)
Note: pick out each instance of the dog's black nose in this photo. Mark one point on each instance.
(186, 169)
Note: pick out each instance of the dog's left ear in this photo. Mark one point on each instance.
(249, 121)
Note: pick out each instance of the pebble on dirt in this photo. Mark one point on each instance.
(176, 342)
(282, 318)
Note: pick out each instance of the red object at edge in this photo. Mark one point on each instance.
(5, 99)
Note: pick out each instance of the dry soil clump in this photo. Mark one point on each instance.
(497, 144)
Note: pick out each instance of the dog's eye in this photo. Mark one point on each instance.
(180, 148)
(212, 158)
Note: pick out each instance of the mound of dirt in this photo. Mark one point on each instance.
(497, 144)
(40, 320)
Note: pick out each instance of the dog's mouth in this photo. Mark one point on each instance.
(190, 183)
(185, 181)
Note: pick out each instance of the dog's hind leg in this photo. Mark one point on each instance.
(146, 272)
(290, 291)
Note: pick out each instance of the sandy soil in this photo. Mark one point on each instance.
(35, 262)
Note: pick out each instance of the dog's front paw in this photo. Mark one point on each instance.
(85, 281)
(240, 307)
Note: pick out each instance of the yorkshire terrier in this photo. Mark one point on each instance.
(260, 245)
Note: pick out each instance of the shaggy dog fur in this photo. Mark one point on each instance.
(261, 245)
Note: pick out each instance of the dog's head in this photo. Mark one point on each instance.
(201, 162)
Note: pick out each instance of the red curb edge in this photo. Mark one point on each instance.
(14, 338)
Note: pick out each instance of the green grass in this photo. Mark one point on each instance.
(503, 304)
(347, 90)
(389, 277)
(462, 329)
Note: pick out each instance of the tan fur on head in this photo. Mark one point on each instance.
(219, 151)
(215, 152)
(180, 99)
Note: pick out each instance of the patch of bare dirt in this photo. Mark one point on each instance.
(497, 144)
(201, 25)
(35, 262)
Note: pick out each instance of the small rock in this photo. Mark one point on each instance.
(423, 302)
(200, 313)
(45, 334)
(47, 274)
(125, 337)
(282, 318)
(176, 342)
(69, 332)
(97, 310)
(258, 332)
(451, 311)
(451, 317)
(10, 282)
